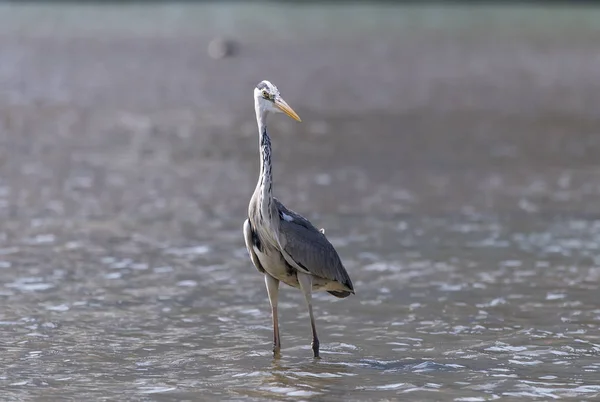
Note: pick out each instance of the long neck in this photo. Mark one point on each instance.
(265, 179)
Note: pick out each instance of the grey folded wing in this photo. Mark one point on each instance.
(310, 251)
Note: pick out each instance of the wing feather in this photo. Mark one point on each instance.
(249, 238)
(310, 250)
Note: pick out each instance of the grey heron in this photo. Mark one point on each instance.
(283, 245)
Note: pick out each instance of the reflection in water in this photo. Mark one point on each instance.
(305, 379)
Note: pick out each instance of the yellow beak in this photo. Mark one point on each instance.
(285, 108)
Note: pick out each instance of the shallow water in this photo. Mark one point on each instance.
(449, 307)
(467, 219)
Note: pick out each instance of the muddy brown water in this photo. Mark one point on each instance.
(452, 156)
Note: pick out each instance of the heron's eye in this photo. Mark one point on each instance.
(265, 94)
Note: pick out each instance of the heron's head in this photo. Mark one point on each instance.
(268, 99)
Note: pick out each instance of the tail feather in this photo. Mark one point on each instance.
(341, 294)
(347, 282)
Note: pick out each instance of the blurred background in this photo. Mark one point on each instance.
(450, 150)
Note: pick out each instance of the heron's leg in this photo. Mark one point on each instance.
(306, 287)
(273, 291)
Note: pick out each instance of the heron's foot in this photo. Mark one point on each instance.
(315, 348)
(276, 351)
